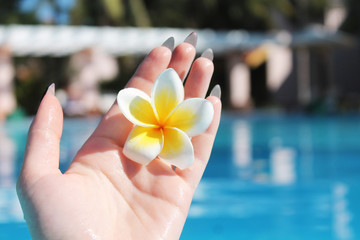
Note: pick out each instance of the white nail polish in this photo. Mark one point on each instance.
(216, 91)
(169, 43)
(51, 89)
(208, 53)
(192, 39)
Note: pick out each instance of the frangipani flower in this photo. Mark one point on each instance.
(165, 122)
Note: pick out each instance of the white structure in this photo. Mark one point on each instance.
(335, 15)
(42, 40)
(27, 40)
(239, 83)
(118, 41)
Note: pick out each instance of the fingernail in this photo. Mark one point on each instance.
(169, 43)
(216, 91)
(208, 53)
(192, 39)
(50, 89)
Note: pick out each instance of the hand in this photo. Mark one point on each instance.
(104, 195)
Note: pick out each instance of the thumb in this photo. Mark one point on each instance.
(43, 144)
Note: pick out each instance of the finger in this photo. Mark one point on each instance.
(150, 68)
(184, 55)
(115, 126)
(199, 78)
(43, 145)
(202, 147)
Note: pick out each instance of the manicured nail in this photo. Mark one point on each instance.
(192, 39)
(216, 91)
(50, 89)
(208, 53)
(169, 43)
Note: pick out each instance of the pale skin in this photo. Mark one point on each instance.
(104, 195)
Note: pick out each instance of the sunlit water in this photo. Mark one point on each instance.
(269, 177)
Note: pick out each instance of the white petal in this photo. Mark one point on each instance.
(136, 107)
(193, 116)
(177, 149)
(167, 93)
(143, 144)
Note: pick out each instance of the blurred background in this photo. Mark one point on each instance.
(285, 164)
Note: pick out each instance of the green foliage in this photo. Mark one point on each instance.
(234, 14)
(90, 13)
(115, 9)
(216, 14)
(110, 12)
(352, 23)
(9, 14)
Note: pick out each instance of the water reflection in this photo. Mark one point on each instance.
(10, 210)
(7, 159)
(306, 149)
(342, 216)
(281, 160)
(292, 176)
(283, 165)
(241, 146)
(288, 176)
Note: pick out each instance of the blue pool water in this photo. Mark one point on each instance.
(283, 177)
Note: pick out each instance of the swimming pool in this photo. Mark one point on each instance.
(270, 176)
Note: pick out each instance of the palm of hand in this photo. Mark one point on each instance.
(119, 192)
(104, 195)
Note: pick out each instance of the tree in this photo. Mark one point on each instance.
(352, 22)
(9, 13)
(257, 15)
(110, 12)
